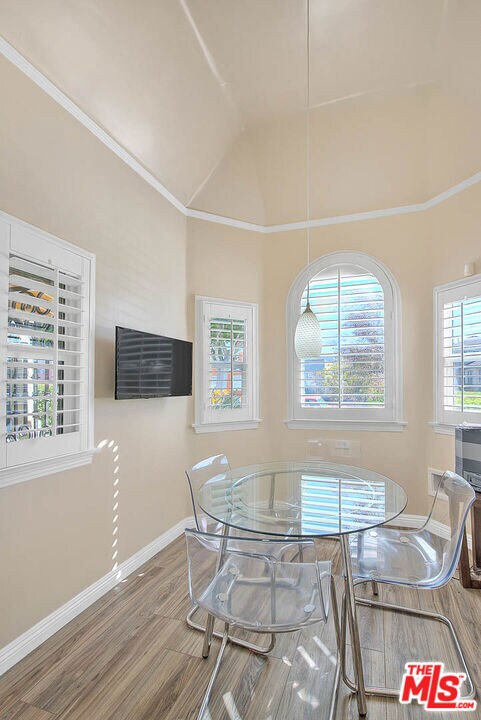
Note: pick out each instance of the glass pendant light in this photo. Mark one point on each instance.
(308, 337)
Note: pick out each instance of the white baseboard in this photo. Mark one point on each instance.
(36, 635)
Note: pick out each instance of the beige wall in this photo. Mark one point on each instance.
(422, 250)
(56, 532)
(228, 263)
(454, 229)
(402, 243)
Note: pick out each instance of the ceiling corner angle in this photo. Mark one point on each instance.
(19, 61)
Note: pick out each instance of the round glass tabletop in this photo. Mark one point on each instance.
(302, 499)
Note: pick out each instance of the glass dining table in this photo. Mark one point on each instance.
(308, 499)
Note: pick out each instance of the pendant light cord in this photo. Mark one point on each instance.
(308, 138)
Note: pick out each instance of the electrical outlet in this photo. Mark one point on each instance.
(434, 478)
(342, 448)
(347, 448)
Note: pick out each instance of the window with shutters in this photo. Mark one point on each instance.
(47, 315)
(457, 350)
(226, 365)
(356, 380)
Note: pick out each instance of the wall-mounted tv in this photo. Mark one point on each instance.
(150, 366)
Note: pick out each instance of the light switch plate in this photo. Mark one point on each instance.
(327, 449)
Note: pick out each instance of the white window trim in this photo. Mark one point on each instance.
(39, 468)
(200, 425)
(445, 422)
(375, 419)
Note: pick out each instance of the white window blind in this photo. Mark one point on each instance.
(226, 364)
(356, 382)
(350, 373)
(458, 351)
(46, 328)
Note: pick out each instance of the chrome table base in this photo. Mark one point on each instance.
(349, 610)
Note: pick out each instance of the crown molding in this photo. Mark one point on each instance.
(9, 52)
(341, 219)
(454, 190)
(17, 59)
(222, 220)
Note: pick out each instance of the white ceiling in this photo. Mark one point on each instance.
(178, 82)
(357, 46)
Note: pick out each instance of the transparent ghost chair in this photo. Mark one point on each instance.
(424, 558)
(215, 469)
(246, 585)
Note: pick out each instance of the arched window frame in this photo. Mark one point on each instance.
(389, 418)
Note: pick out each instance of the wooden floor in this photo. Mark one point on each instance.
(130, 656)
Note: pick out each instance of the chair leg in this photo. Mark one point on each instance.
(206, 698)
(391, 692)
(209, 630)
(258, 649)
(337, 630)
(343, 639)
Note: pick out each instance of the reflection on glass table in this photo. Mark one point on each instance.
(303, 499)
(307, 499)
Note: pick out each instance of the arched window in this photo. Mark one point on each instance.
(356, 382)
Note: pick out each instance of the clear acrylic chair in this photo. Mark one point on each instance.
(243, 583)
(212, 468)
(215, 469)
(424, 558)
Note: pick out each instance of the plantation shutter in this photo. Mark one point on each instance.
(350, 373)
(228, 394)
(226, 358)
(46, 332)
(227, 363)
(460, 354)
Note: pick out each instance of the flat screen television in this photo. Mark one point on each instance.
(150, 366)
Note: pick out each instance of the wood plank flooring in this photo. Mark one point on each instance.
(130, 656)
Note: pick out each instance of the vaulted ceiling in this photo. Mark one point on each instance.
(210, 95)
